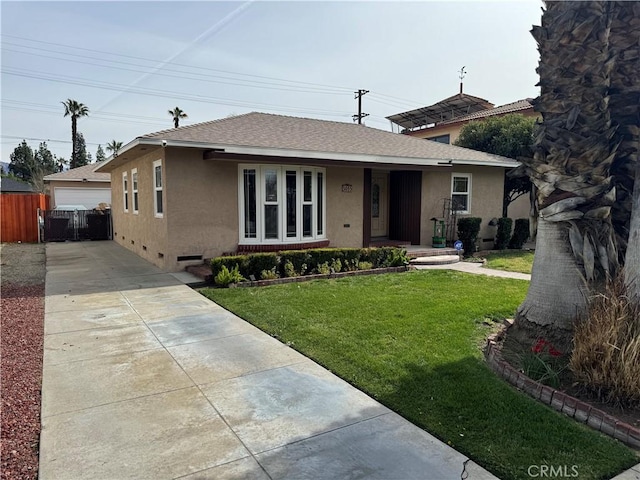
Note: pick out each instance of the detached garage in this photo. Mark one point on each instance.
(80, 187)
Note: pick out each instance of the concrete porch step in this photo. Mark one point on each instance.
(435, 260)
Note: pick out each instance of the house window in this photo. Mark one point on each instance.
(125, 191)
(134, 187)
(461, 192)
(441, 138)
(157, 189)
(280, 204)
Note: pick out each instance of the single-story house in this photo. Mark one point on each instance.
(81, 186)
(259, 181)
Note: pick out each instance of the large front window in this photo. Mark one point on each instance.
(280, 204)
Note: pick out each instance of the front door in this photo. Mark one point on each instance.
(379, 204)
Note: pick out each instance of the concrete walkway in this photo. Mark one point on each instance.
(476, 268)
(145, 378)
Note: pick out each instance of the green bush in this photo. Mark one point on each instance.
(350, 259)
(504, 233)
(230, 263)
(520, 233)
(299, 259)
(256, 263)
(468, 229)
(323, 269)
(320, 256)
(365, 266)
(268, 274)
(225, 277)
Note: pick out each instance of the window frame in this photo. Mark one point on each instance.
(134, 190)
(317, 204)
(440, 138)
(125, 192)
(156, 189)
(468, 176)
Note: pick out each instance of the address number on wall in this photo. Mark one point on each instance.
(347, 188)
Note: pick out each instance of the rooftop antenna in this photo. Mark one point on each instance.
(461, 74)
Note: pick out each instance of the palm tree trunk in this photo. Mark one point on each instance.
(176, 122)
(632, 261)
(74, 152)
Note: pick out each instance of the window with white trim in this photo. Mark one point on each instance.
(461, 192)
(281, 203)
(134, 188)
(158, 205)
(125, 191)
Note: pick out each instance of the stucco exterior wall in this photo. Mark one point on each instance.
(344, 209)
(141, 233)
(486, 199)
(201, 207)
(520, 207)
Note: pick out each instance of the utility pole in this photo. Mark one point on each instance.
(360, 115)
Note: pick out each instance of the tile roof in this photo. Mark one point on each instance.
(12, 185)
(79, 174)
(262, 130)
(513, 107)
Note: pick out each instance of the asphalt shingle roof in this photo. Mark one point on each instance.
(11, 185)
(265, 130)
(79, 174)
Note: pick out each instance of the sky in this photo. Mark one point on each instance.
(131, 62)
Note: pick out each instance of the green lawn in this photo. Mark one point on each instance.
(412, 341)
(511, 261)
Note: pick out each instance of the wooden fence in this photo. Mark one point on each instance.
(19, 216)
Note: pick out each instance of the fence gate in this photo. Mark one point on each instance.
(61, 225)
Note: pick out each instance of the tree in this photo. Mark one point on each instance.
(22, 161)
(75, 110)
(100, 155)
(45, 163)
(177, 114)
(114, 147)
(82, 156)
(509, 136)
(578, 140)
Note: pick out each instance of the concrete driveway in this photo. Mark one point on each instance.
(145, 378)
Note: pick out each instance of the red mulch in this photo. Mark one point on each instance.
(22, 326)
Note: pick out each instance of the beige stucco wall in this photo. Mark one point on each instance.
(141, 233)
(201, 207)
(486, 198)
(520, 207)
(345, 208)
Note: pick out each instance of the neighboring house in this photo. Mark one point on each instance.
(13, 185)
(81, 186)
(258, 182)
(442, 121)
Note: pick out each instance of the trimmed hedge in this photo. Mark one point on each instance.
(520, 234)
(468, 229)
(504, 233)
(293, 263)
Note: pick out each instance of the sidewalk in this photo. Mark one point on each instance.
(145, 378)
(477, 268)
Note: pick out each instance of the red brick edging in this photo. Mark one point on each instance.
(560, 401)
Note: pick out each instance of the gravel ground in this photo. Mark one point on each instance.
(22, 327)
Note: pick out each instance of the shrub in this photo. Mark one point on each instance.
(288, 269)
(225, 277)
(258, 262)
(350, 258)
(392, 257)
(468, 229)
(504, 233)
(606, 351)
(320, 256)
(230, 262)
(336, 265)
(365, 266)
(268, 274)
(299, 259)
(520, 233)
(323, 269)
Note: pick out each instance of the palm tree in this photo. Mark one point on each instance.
(75, 110)
(177, 114)
(577, 246)
(114, 147)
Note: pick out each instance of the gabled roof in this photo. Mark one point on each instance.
(445, 110)
(86, 173)
(8, 184)
(512, 107)
(305, 138)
